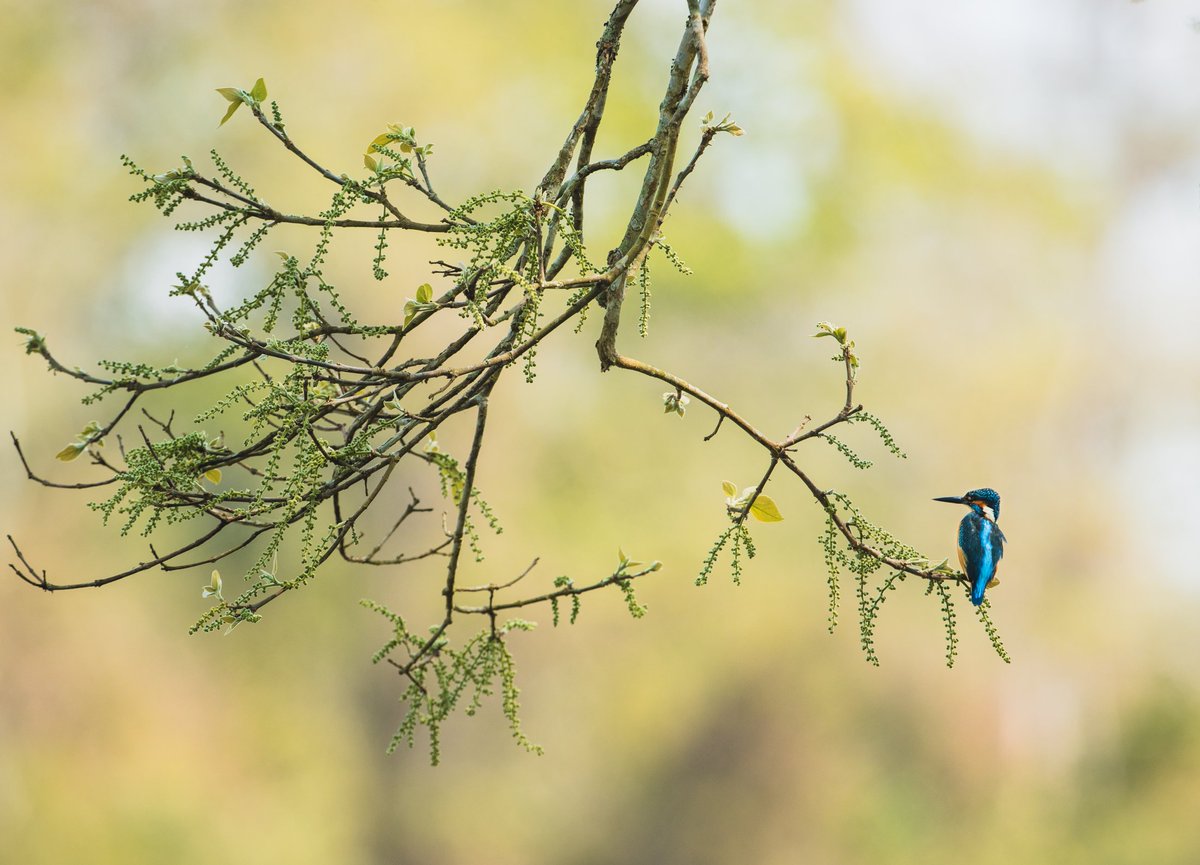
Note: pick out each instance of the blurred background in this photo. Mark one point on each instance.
(999, 201)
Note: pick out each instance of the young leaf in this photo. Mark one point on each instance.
(259, 91)
(765, 510)
(730, 489)
(213, 475)
(213, 589)
(425, 292)
(71, 451)
(233, 106)
(625, 561)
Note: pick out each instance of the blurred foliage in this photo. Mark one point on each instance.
(984, 280)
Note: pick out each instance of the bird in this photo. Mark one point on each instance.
(980, 541)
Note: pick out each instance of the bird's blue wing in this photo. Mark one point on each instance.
(980, 546)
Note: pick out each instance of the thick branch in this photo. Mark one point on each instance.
(593, 110)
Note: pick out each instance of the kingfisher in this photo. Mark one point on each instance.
(980, 541)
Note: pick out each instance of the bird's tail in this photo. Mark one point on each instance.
(980, 586)
(977, 592)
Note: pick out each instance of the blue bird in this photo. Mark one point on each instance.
(980, 541)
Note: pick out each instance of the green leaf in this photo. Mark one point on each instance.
(233, 106)
(34, 341)
(259, 90)
(213, 589)
(765, 510)
(425, 292)
(213, 475)
(824, 328)
(230, 93)
(675, 401)
(627, 562)
(410, 310)
(730, 489)
(369, 161)
(71, 451)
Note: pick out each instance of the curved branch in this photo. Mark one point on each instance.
(402, 221)
(617, 577)
(41, 581)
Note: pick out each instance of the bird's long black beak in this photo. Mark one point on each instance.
(954, 500)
